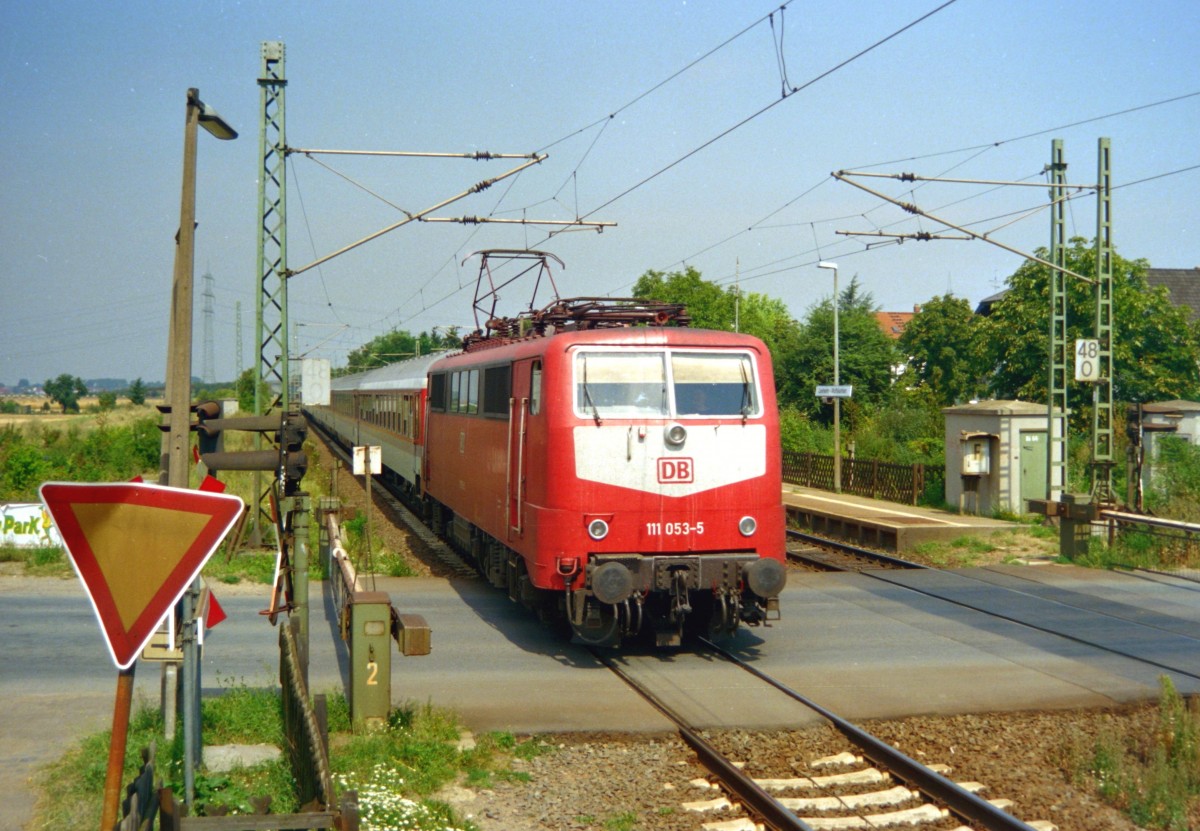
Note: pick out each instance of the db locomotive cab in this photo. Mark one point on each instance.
(677, 459)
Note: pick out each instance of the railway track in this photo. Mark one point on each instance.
(852, 790)
(824, 554)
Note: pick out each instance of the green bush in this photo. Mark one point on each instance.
(40, 453)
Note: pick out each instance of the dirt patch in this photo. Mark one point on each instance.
(389, 529)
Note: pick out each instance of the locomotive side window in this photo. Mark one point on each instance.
(620, 384)
(469, 392)
(437, 392)
(714, 384)
(497, 388)
(464, 391)
(535, 388)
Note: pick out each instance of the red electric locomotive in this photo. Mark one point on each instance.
(596, 461)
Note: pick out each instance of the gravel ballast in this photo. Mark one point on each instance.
(624, 781)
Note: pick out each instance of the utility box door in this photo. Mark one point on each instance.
(1034, 458)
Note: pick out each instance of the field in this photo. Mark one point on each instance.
(89, 412)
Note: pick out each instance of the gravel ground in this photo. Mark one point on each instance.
(606, 782)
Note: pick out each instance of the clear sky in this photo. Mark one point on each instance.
(667, 118)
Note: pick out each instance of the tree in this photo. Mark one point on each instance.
(107, 400)
(945, 351)
(711, 307)
(244, 387)
(66, 390)
(1156, 348)
(707, 304)
(398, 345)
(866, 355)
(137, 392)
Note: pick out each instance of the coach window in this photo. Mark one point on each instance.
(535, 388)
(455, 392)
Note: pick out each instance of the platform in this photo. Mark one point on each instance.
(873, 522)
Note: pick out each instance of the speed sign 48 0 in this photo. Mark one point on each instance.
(1087, 359)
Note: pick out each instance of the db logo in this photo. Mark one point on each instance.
(675, 470)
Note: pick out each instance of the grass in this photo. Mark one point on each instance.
(1154, 779)
(396, 770)
(380, 560)
(1139, 549)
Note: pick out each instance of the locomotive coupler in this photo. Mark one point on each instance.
(680, 607)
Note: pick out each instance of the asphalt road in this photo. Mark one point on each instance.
(862, 647)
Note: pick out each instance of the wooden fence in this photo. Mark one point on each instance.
(878, 480)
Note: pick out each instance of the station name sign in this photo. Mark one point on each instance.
(835, 391)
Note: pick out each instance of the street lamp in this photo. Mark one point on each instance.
(177, 441)
(179, 339)
(837, 380)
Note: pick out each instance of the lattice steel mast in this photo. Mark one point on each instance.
(207, 373)
(270, 319)
(1056, 461)
(1102, 393)
(271, 311)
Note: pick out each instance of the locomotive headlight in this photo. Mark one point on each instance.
(747, 526)
(597, 529)
(675, 435)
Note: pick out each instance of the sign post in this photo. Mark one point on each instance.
(136, 548)
(837, 392)
(368, 462)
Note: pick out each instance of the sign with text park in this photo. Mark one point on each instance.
(136, 548)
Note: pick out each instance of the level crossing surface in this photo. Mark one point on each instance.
(910, 644)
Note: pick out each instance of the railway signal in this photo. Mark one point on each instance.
(289, 430)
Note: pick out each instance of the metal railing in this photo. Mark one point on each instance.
(367, 621)
(1177, 540)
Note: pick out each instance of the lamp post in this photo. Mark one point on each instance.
(837, 380)
(179, 339)
(176, 441)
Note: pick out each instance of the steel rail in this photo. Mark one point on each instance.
(960, 801)
(767, 807)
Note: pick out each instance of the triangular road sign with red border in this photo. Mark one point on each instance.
(136, 548)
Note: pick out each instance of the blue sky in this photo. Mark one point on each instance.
(91, 149)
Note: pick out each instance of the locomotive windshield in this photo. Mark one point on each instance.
(665, 384)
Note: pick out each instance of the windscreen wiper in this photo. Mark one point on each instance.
(747, 395)
(587, 394)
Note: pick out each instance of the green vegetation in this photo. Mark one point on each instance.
(66, 390)
(370, 555)
(1176, 489)
(137, 392)
(396, 770)
(40, 453)
(1155, 778)
(398, 345)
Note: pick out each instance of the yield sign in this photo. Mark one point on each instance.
(137, 548)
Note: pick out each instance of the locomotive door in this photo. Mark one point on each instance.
(518, 418)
